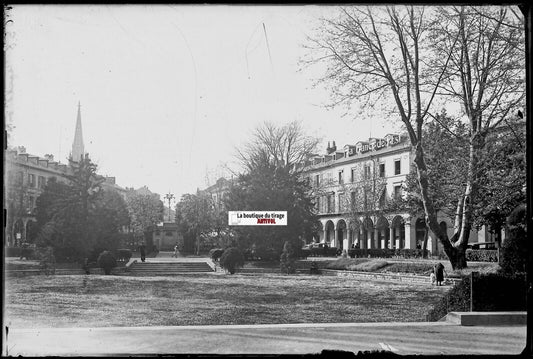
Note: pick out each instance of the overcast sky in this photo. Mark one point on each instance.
(166, 92)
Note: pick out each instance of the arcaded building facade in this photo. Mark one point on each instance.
(355, 188)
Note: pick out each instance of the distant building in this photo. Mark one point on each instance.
(218, 191)
(352, 185)
(25, 176)
(166, 236)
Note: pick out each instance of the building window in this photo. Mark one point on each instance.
(397, 192)
(317, 180)
(341, 177)
(353, 175)
(341, 202)
(367, 171)
(381, 170)
(41, 181)
(31, 180)
(317, 204)
(32, 203)
(331, 203)
(397, 167)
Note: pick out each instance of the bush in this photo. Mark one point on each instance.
(262, 253)
(287, 259)
(231, 259)
(106, 261)
(215, 254)
(482, 255)
(314, 269)
(123, 255)
(514, 255)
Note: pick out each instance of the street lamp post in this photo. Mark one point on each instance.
(169, 196)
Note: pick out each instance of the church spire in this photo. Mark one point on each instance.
(77, 146)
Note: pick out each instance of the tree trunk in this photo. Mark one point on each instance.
(456, 254)
(425, 243)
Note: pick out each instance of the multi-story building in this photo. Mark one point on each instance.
(354, 187)
(25, 176)
(218, 191)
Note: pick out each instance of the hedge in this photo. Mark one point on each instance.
(386, 253)
(322, 252)
(482, 255)
(492, 292)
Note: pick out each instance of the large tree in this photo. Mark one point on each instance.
(76, 217)
(145, 211)
(271, 183)
(397, 53)
(197, 218)
(283, 146)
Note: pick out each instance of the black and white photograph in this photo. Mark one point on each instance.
(303, 179)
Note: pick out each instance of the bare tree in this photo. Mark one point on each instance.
(283, 146)
(376, 53)
(487, 76)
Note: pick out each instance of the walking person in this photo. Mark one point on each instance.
(175, 255)
(143, 253)
(439, 273)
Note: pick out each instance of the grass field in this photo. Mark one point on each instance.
(210, 299)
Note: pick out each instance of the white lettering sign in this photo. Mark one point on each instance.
(257, 218)
(373, 144)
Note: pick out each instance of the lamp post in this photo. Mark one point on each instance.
(169, 196)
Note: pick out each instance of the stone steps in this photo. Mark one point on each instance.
(168, 268)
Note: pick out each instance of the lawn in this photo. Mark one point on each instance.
(210, 299)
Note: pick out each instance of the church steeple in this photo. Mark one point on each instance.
(77, 146)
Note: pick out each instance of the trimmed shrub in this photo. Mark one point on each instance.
(215, 254)
(482, 255)
(314, 269)
(287, 259)
(123, 255)
(514, 255)
(106, 261)
(385, 253)
(231, 259)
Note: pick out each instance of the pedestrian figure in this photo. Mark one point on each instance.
(439, 273)
(432, 276)
(86, 266)
(175, 255)
(143, 253)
